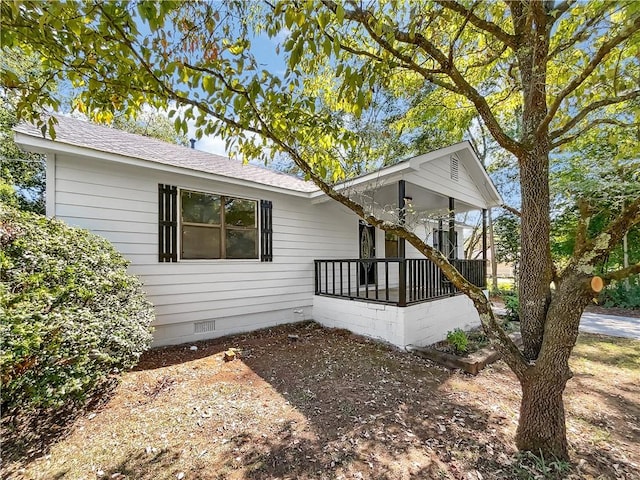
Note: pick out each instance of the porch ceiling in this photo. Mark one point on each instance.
(422, 199)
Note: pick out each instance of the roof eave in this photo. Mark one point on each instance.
(43, 145)
(395, 172)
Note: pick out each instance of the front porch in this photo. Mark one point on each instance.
(391, 291)
(399, 282)
(402, 301)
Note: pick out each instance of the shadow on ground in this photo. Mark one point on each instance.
(333, 405)
(30, 434)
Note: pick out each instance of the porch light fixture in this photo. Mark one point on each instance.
(407, 200)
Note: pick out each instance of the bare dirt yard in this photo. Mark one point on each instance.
(331, 405)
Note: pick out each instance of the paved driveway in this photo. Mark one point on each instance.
(610, 325)
(605, 324)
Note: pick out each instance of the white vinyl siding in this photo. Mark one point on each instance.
(436, 176)
(120, 202)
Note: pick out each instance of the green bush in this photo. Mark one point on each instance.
(512, 305)
(458, 340)
(623, 294)
(71, 316)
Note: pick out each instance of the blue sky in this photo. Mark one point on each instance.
(264, 49)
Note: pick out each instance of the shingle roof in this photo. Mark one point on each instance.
(106, 139)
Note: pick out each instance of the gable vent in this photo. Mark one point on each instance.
(453, 161)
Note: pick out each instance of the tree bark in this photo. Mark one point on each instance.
(542, 418)
(535, 251)
(531, 26)
(541, 427)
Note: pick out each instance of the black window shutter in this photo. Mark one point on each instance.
(266, 231)
(167, 223)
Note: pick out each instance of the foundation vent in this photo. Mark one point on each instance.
(454, 167)
(204, 327)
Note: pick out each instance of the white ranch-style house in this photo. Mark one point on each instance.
(225, 247)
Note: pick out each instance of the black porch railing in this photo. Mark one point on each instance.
(393, 281)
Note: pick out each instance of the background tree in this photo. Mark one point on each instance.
(507, 233)
(562, 76)
(151, 123)
(23, 174)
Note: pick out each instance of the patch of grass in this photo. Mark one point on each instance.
(529, 466)
(599, 352)
(461, 343)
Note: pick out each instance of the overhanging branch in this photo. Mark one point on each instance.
(600, 55)
(595, 123)
(462, 86)
(581, 34)
(591, 108)
(481, 23)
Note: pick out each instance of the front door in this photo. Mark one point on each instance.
(367, 238)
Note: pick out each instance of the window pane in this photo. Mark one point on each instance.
(239, 212)
(390, 245)
(200, 208)
(200, 242)
(242, 244)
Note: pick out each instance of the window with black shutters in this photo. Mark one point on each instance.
(212, 226)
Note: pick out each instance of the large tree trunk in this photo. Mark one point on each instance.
(535, 251)
(530, 23)
(542, 420)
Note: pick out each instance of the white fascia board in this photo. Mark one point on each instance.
(494, 198)
(441, 152)
(388, 175)
(395, 172)
(42, 145)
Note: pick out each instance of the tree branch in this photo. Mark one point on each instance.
(621, 274)
(480, 23)
(603, 51)
(583, 224)
(595, 123)
(590, 108)
(586, 28)
(407, 60)
(464, 88)
(596, 249)
(509, 209)
(562, 7)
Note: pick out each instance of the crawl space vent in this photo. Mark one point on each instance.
(204, 327)
(454, 167)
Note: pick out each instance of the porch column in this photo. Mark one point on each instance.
(484, 235)
(484, 248)
(401, 215)
(402, 266)
(452, 230)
